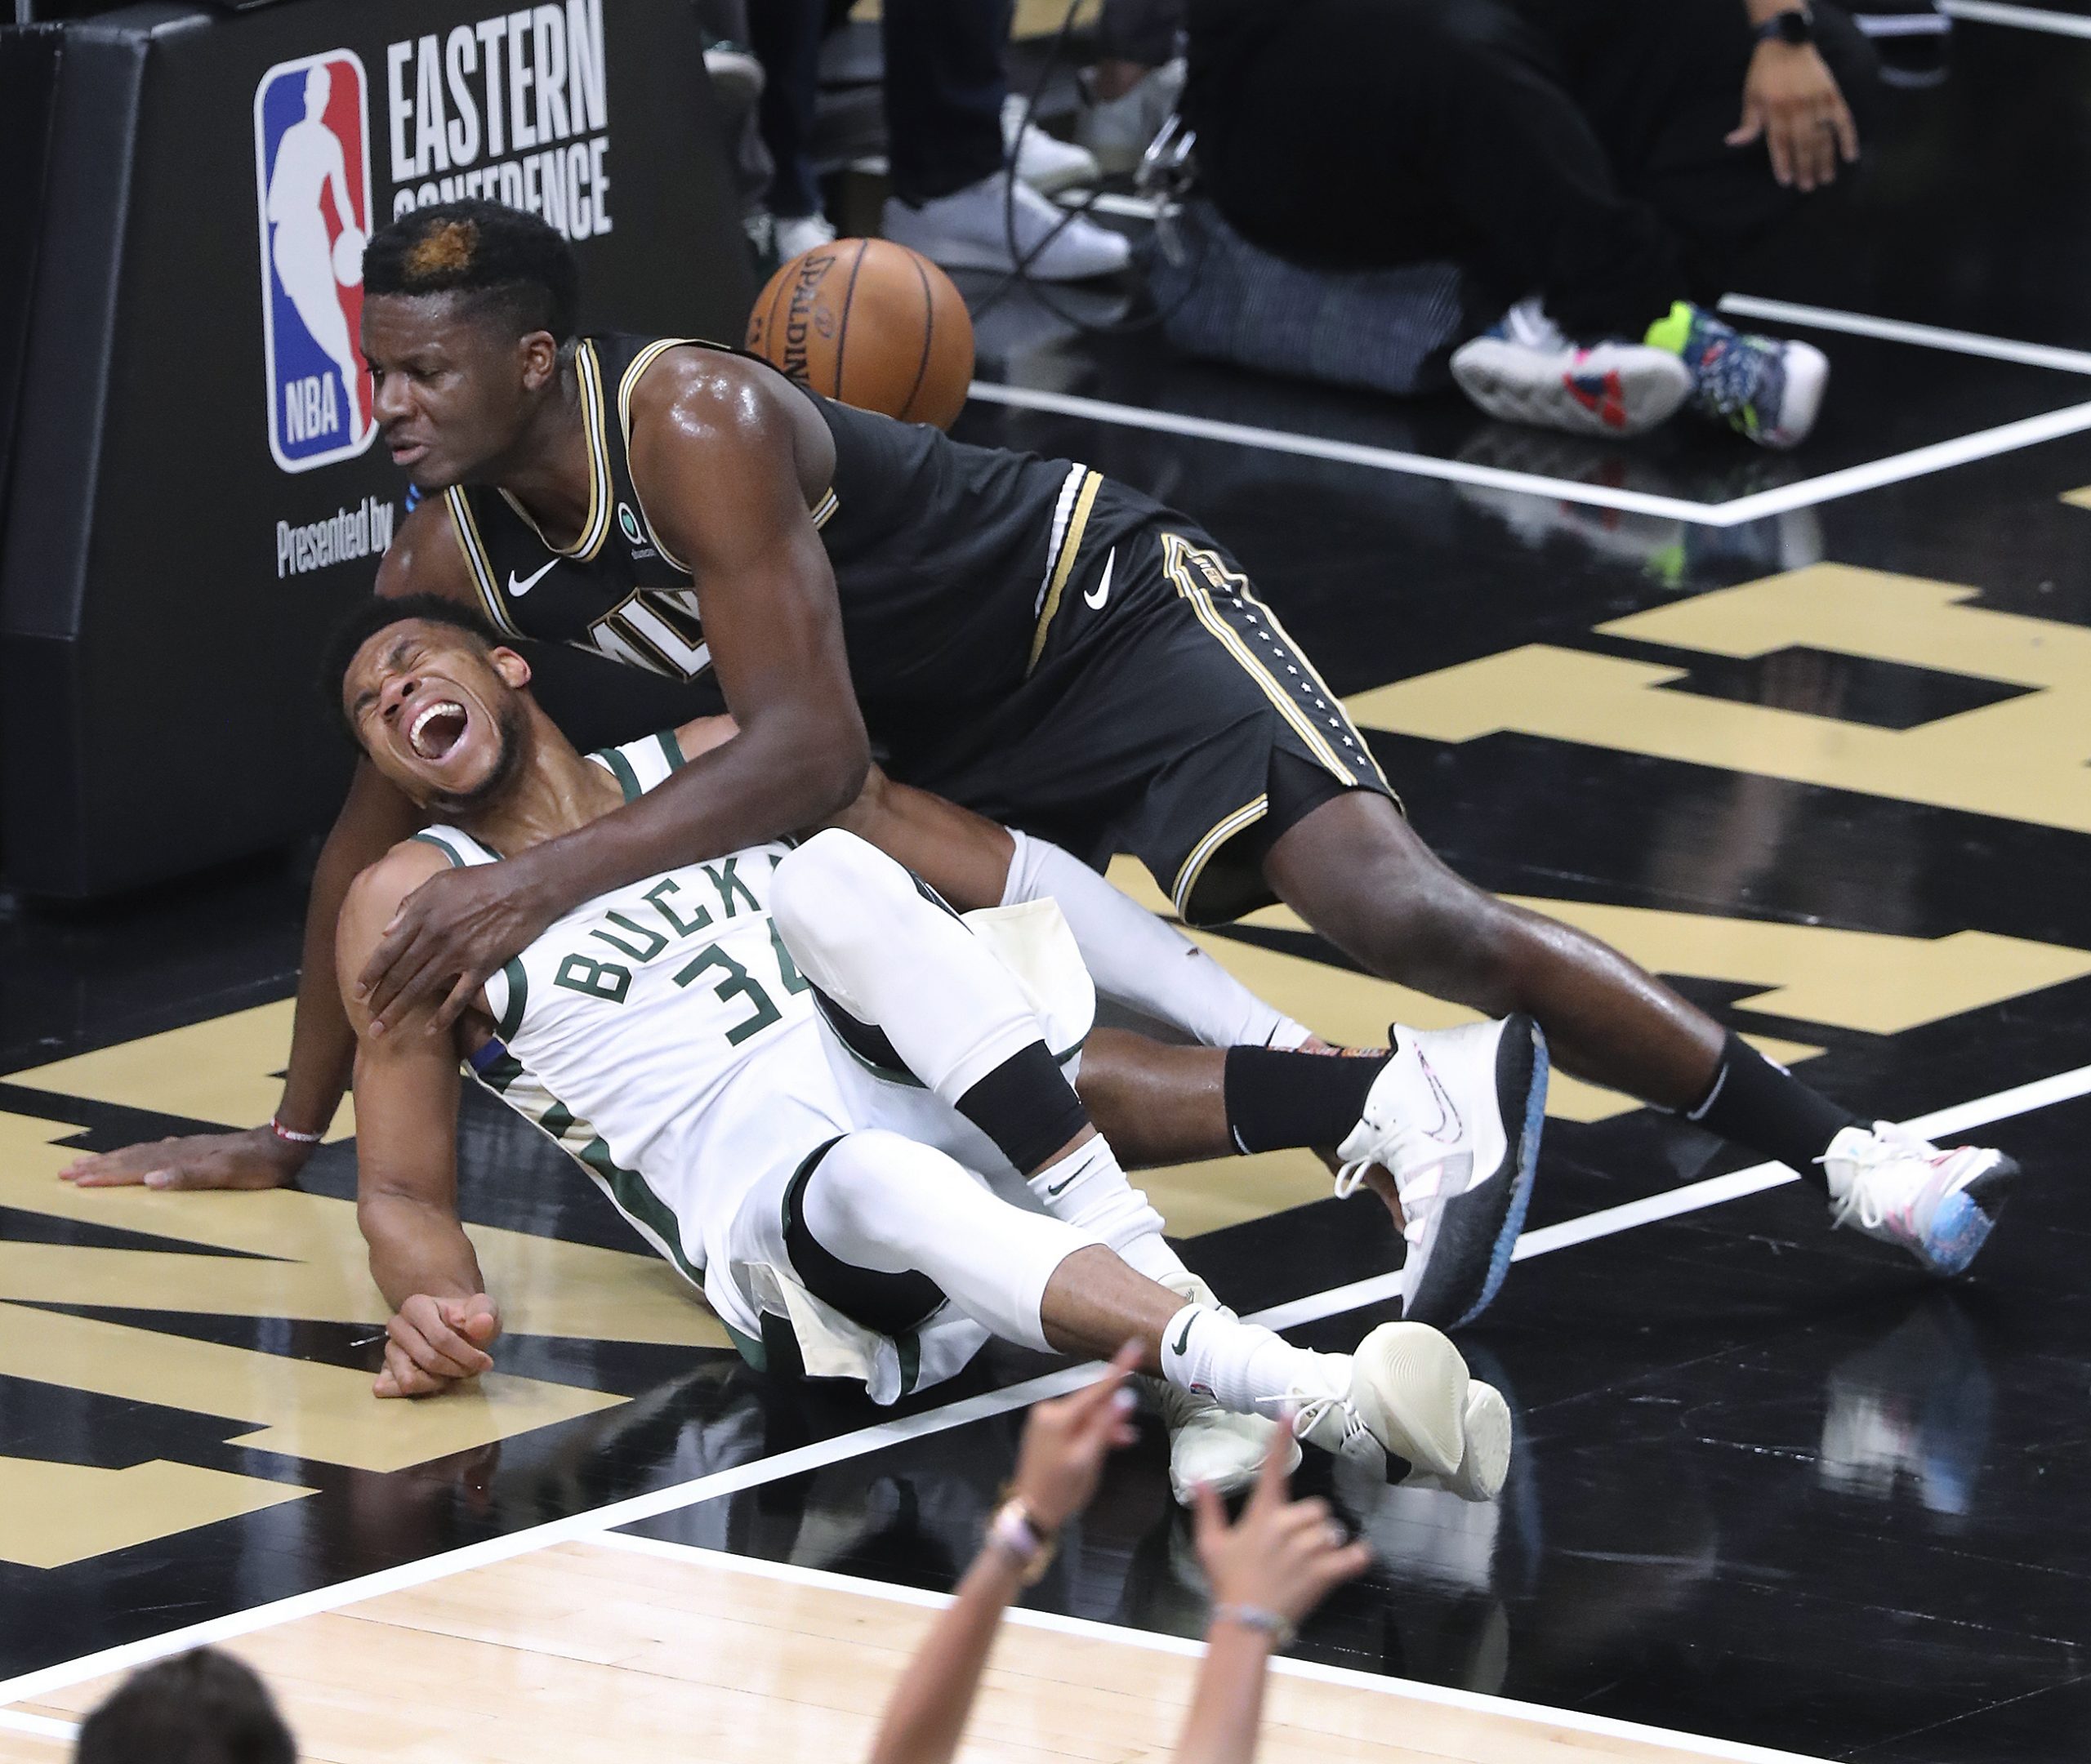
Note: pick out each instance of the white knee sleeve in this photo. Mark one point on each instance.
(1139, 961)
(861, 932)
(881, 1202)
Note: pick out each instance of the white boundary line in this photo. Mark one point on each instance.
(1874, 475)
(2022, 18)
(1900, 330)
(41, 1726)
(2021, 1099)
(1379, 1684)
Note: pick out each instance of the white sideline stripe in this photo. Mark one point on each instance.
(1348, 452)
(2021, 1099)
(1901, 330)
(1876, 473)
(42, 1726)
(2028, 431)
(1379, 1684)
(2024, 18)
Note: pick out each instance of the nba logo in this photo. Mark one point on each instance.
(312, 182)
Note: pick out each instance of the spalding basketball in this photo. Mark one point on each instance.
(871, 323)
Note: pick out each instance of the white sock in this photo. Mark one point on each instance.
(1087, 1189)
(1248, 1369)
(1142, 961)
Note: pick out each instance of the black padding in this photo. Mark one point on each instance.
(891, 1304)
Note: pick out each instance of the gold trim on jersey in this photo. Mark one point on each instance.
(465, 528)
(1177, 555)
(1062, 564)
(823, 512)
(588, 370)
(1201, 853)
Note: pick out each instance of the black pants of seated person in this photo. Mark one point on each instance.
(1571, 147)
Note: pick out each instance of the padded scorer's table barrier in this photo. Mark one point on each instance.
(194, 498)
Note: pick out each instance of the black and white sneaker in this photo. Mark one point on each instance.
(1455, 1119)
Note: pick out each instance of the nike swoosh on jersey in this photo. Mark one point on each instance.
(517, 589)
(1102, 592)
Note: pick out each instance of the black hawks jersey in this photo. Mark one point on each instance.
(947, 559)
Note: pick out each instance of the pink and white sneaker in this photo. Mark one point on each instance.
(1940, 1205)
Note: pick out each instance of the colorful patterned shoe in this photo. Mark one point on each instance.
(1767, 388)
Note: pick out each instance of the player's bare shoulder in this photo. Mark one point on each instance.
(375, 896)
(425, 557)
(710, 410)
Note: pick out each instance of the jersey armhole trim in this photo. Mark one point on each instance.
(443, 845)
(465, 529)
(671, 749)
(620, 768)
(512, 1007)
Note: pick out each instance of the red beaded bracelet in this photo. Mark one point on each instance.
(292, 1136)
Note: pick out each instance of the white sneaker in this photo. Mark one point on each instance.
(1404, 1394)
(1525, 370)
(967, 230)
(797, 234)
(1208, 1444)
(1454, 1118)
(1939, 1206)
(1045, 161)
(1118, 130)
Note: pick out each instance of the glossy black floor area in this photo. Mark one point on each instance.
(1771, 1485)
(1768, 1487)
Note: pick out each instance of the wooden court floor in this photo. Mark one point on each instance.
(618, 1647)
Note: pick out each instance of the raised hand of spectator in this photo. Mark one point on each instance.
(1066, 1441)
(1280, 1556)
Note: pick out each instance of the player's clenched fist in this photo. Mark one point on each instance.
(432, 1343)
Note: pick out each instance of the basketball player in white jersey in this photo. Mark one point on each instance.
(308, 161)
(768, 1061)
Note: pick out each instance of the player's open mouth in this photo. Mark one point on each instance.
(407, 452)
(436, 731)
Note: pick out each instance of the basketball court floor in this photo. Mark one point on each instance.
(1807, 734)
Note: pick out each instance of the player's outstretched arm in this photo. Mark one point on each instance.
(407, 1086)
(714, 454)
(323, 1046)
(424, 559)
(1064, 1445)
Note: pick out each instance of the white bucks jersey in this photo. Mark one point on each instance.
(641, 1031)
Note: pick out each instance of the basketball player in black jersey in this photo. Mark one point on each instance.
(1021, 635)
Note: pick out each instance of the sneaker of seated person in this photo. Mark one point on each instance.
(1525, 370)
(1768, 390)
(1045, 161)
(968, 230)
(797, 234)
(1118, 130)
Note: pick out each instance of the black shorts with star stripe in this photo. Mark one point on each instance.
(1165, 712)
